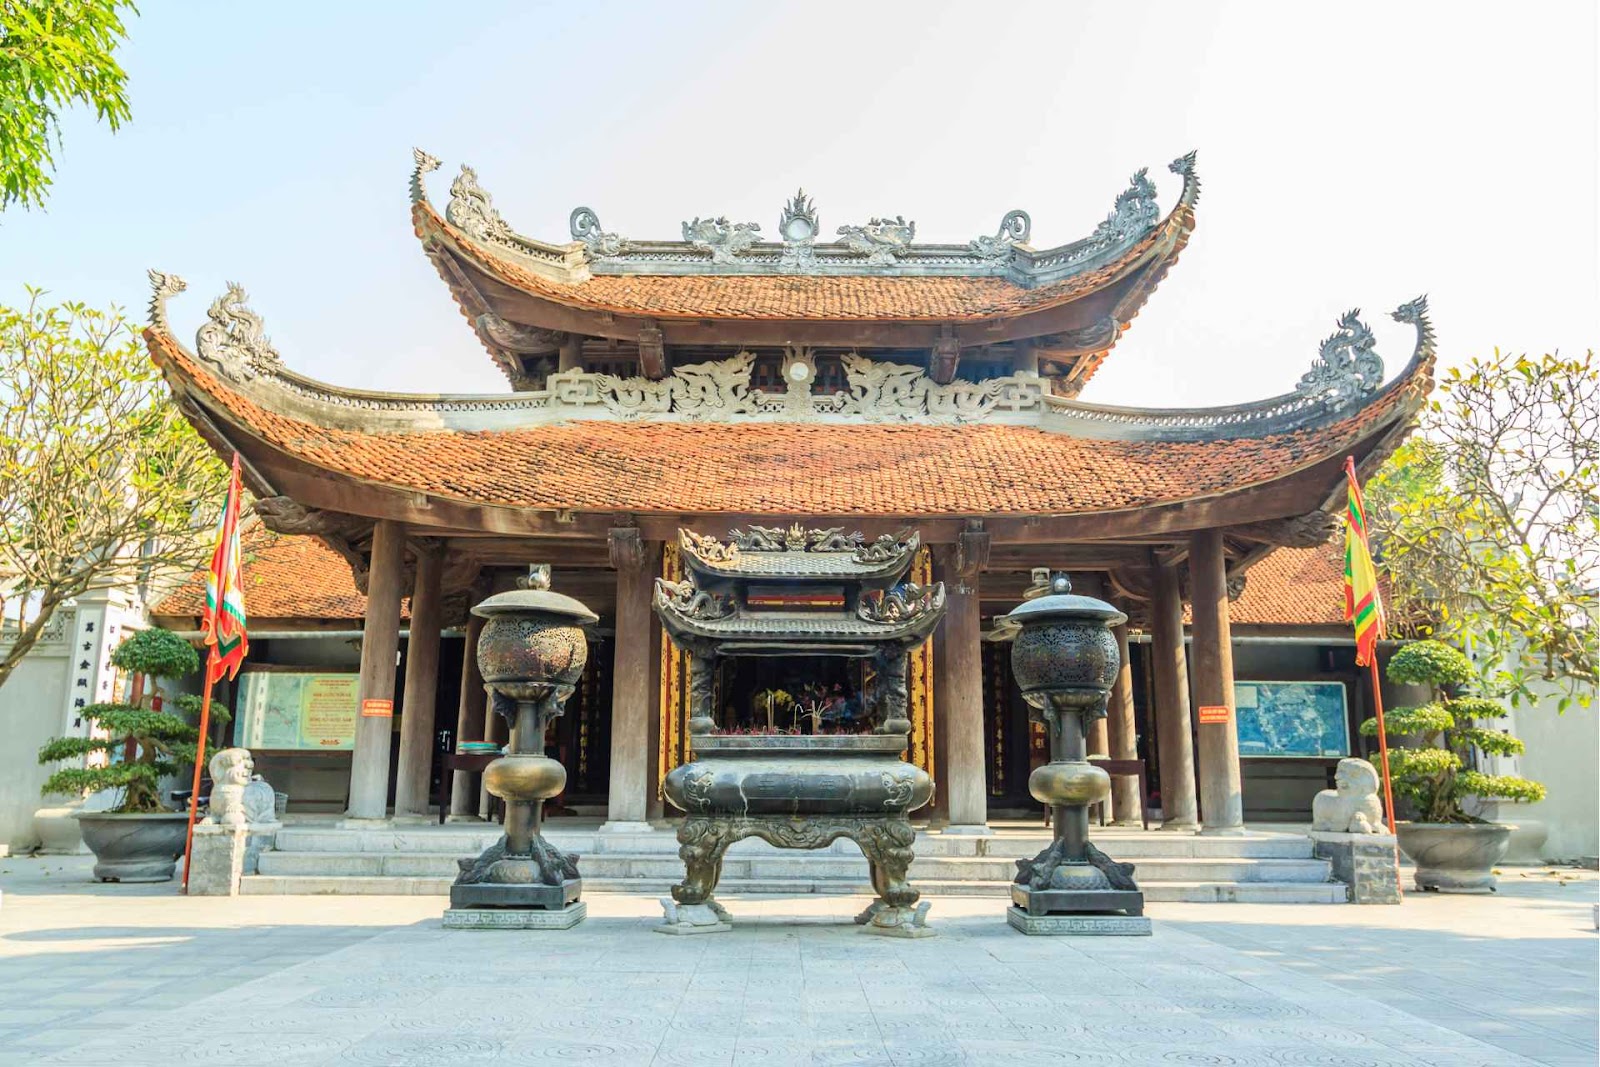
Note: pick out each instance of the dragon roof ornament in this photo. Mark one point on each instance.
(232, 337)
(883, 244)
(471, 209)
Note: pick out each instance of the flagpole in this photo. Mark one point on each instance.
(200, 762)
(1383, 743)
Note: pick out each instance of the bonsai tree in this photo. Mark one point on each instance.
(1437, 775)
(155, 742)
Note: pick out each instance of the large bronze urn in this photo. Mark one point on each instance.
(531, 653)
(1065, 660)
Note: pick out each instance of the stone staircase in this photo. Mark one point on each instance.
(1257, 867)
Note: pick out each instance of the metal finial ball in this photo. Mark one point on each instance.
(1060, 583)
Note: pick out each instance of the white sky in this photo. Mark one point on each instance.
(1352, 154)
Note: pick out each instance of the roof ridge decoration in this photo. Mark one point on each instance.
(798, 227)
(882, 244)
(1346, 367)
(1345, 377)
(471, 209)
(233, 337)
(723, 239)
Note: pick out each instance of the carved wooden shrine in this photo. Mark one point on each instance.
(794, 592)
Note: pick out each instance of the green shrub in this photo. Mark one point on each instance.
(162, 742)
(1437, 776)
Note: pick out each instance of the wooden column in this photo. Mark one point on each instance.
(469, 722)
(630, 681)
(380, 641)
(958, 679)
(411, 793)
(1121, 737)
(1173, 725)
(1221, 798)
(570, 356)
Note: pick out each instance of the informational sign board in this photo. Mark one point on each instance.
(1214, 713)
(295, 710)
(1292, 719)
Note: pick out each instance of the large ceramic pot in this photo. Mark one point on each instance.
(1455, 857)
(134, 848)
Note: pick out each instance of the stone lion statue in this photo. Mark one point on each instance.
(1352, 807)
(238, 797)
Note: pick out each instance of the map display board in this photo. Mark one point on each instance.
(1292, 718)
(298, 710)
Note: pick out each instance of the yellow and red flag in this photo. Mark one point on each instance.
(1363, 606)
(224, 624)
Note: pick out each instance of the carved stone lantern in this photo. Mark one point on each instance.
(1065, 660)
(531, 653)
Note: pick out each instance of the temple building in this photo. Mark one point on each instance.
(679, 398)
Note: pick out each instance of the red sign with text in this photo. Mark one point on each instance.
(1214, 713)
(373, 708)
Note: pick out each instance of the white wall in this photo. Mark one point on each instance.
(31, 704)
(1563, 753)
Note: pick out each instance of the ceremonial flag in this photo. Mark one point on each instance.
(224, 623)
(225, 638)
(1362, 605)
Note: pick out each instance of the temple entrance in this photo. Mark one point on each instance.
(794, 695)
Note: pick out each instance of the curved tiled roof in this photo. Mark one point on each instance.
(284, 577)
(1294, 587)
(910, 469)
(805, 297)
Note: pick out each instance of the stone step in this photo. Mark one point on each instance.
(781, 865)
(1155, 891)
(469, 840)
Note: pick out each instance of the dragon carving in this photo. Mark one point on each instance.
(723, 239)
(882, 241)
(708, 548)
(1346, 367)
(233, 339)
(903, 603)
(833, 539)
(691, 602)
(886, 548)
(597, 244)
(471, 209)
(1015, 229)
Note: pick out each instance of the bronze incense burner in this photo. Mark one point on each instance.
(532, 653)
(1065, 660)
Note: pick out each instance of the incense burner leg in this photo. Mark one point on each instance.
(692, 909)
(895, 913)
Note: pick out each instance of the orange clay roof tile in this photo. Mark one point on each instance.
(785, 468)
(816, 297)
(284, 578)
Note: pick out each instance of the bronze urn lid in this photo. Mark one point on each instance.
(1062, 604)
(533, 595)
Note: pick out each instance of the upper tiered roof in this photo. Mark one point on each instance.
(722, 285)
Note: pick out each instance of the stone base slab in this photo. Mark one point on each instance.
(686, 919)
(1078, 925)
(1366, 863)
(515, 918)
(516, 895)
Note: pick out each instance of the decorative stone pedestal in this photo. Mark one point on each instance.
(515, 918)
(1364, 862)
(684, 919)
(1078, 925)
(216, 862)
(224, 854)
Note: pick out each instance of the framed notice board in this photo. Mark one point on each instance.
(298, 710)
(1292, 719)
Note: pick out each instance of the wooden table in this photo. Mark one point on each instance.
(472, 763)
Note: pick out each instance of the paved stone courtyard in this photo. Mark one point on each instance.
(132, 976)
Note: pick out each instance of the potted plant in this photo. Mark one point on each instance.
(1453, 851)
(140, 837)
